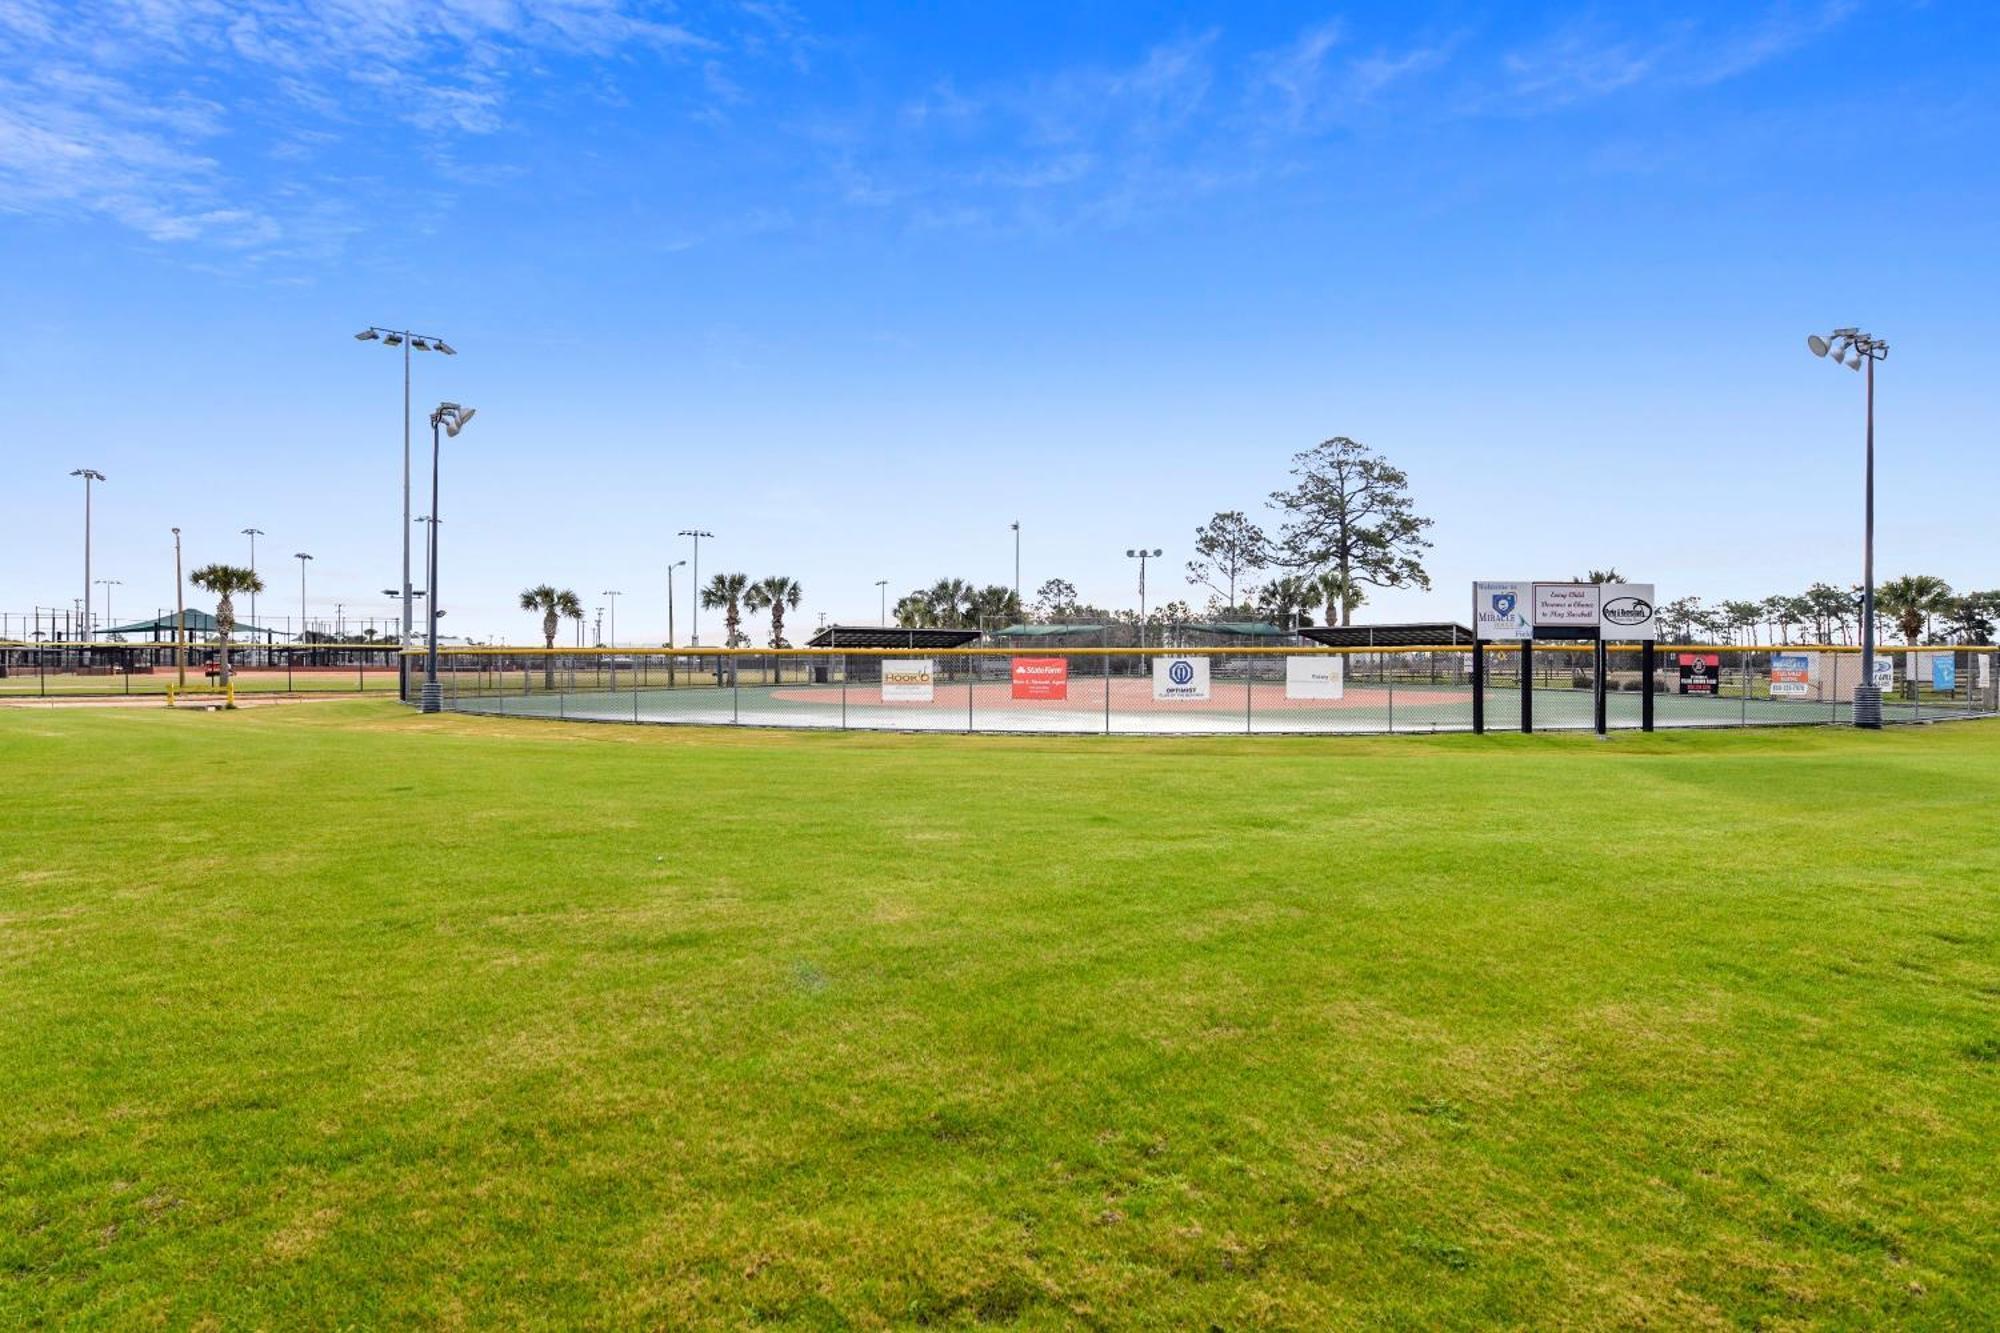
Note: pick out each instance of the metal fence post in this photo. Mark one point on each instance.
(1646, 654)
(1249, 679)
(1389, 678)
(735, 692)
(971, 678)
(1743, 679)
(843, 691)
(1479, 687)
(1104, 641)
(1527, 685)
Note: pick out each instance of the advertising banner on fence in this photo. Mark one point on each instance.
(1041, 678)
(1315, 677)
(1180, 678)
(1885, 672)
(1627, 611)
(908, 681)
(1565, 606)
(1944, 673)
(1791, 675)
(1500, 611)
(1701, 673)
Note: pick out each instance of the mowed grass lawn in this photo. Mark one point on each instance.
(332, 1015)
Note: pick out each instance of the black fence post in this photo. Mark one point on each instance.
(1646, 667)
(1527, 686)
(1478, 686)
(1602, 662)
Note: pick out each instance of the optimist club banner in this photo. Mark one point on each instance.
(907, 681)
(1041, 678)
(1180, 678)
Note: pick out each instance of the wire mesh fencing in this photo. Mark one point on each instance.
(1215, 691)
(97, 670)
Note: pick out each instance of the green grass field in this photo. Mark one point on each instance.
(331, 1015)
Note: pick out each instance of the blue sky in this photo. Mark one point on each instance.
(856, 286)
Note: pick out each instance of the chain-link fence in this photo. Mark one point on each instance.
(89, 670)
(1215, 690)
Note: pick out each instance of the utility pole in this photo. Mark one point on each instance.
(180, 619)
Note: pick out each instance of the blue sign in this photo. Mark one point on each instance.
(1944, 673)
(1181, 673)
(1503, 603)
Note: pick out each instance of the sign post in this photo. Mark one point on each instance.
(1629, 611)
(1500, 615)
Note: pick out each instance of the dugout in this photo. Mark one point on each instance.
(884, 637)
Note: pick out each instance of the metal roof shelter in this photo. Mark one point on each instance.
(1414, 635)
(890, 636)
(200, 624)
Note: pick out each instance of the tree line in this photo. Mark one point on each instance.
(1922, 608)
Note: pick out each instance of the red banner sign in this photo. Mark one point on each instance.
(1041, 678)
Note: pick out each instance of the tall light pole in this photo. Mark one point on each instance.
(670, 600)
(452, 419)
(108, 585)
(301, 557)
(694, 602)
(253, 534)
(89, 474)
(1853, 348)
(180, 619)
(422, 342)
(1016, 525)
(1142, 555)
(882, 588)
(614, 595)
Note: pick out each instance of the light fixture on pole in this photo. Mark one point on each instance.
(1016, 525)
(882, 588)
(108, 585)
(1142, 555)
(425, 342)
(452, 419)
(253, 534)
(694, 602)
(180, 619)
(1853, 348)
(670, 600)
(301, 557)
(614, 595)
(89, 474)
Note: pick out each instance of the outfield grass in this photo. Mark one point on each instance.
(333, 1015)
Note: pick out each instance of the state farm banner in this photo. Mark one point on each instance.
(1177, 679)
(1041, 678)
(908, 681)
(1315, 677)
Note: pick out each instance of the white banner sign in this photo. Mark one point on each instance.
(1885, 672)
(1500, 611)
(1565, 606)
(1627, 611)
(1315, 677)
(908, 681)
(1179, 678)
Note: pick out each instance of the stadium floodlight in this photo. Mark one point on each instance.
(453, 419)
(301, 557)
(694, 602)
(89, 474)
(406, 340)
(1142, 555)
(1851, 347)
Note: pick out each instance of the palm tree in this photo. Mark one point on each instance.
(1341, 595)
(995, 602)
(1285, 600)
(950, 601)
(914, 612)
(725, 593)
(554, 606)
(225, 581)
(775, 594)
(1912, 600)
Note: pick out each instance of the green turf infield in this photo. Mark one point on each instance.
(334, 1015)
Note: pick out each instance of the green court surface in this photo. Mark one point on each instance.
(335, 1015)
(1233, 708)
